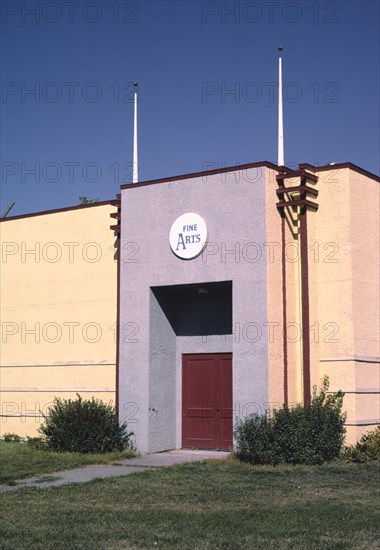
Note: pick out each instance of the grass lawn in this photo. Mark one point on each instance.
(213, 505)
(20, 460)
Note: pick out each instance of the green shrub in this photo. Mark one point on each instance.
(11, 438)
(304, 434)
(254, 437)
(84, 426)
(365, 450)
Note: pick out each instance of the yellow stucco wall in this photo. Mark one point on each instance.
(343, 261)
(365, 228)
(348, 293)
(58, 312)
(58, 303)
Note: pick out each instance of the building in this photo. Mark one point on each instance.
(58, 311)
(235, 291)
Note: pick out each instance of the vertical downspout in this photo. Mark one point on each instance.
(305, 307)
(297, 197)
(117, 325)
(117, 230)
(284, 316)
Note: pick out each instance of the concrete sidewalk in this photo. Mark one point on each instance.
(120, 468)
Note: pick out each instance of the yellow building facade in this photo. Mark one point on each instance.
(60, 295)
(342, 294)
(58, 312)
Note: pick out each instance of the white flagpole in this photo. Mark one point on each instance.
(135, 177)
(280, 160)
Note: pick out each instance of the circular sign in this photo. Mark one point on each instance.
(188, 236)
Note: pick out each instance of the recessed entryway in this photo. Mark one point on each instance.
(201, 309)
(207, 401)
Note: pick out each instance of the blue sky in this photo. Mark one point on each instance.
(207, 73)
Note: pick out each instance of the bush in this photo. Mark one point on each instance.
(304, 434)
(11, 438)
(84, 426)
(254, 437)
(365, 450)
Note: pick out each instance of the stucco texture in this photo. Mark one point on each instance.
(58, 312)
(347, 268)
(233, 206)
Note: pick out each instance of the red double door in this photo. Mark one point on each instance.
(207, 401)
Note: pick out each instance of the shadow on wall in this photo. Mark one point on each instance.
(202, 309)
